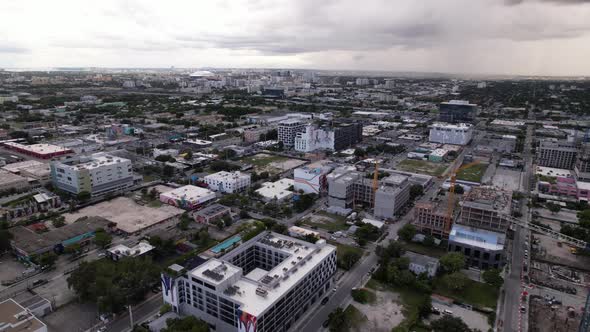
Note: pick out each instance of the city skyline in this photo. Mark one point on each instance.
(488, 37)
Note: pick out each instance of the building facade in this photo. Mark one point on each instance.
(228, 182)
(311, 179)
(556, 154)
(446, 133)
(486, 208)
(457, 111)
(348, 188)
(288, 130)
(188, 197)
(264, 285)
(483, 249)
(97, 174)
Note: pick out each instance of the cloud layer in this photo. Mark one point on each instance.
(465, 36)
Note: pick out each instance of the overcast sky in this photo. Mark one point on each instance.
(537, 37)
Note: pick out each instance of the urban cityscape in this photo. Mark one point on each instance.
(266, 189)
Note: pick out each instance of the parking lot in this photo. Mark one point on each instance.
(473, 319)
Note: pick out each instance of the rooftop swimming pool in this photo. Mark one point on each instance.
(226, 244)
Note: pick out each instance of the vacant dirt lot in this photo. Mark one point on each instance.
(382, 315)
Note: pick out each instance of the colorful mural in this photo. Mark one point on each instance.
(246, 322)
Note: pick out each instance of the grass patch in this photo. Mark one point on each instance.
(475, 293)
(149, 178)
(262, 159)
(363, 295)
(154, 204)
(419, 248)
(473, 173)
(422, 166)
(331, 222)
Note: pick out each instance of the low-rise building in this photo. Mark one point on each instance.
(12, 182)
(300, 232)
(187, 197)
(40, 151)
(483, 249)
(121, 251)
(16, 318)
(422, 264)
(211, 213)
(312, 179)
(278, 190)
(228, 182)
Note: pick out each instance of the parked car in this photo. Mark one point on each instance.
(325, 300)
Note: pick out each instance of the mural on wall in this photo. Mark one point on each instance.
(179, 203)
(246, 322)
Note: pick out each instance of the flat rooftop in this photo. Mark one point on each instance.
(97, 160)
(40, 148)
(129, 216)
(7, 178)
(477, 237)
(260, 289)
(488, 198)
(189, 193)
(15, 318)
(17, 167)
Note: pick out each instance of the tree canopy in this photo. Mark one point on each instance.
(186, 324)
(452, 262)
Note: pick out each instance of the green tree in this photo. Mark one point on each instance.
(84, 196)
(554, 208)
(186, 324)
(416, 191)
(428, 241)
(165, 308)
(113, 285)
(459, 189)
(102, 239)
(312, 238)
(358, 152)
(493, 278)
(452, 262)
(449, 323)
(338, 320)
(219, 223)
(168, 171)
(47, 259)
(58, 222)
(348, 258)
(5, 238)
(407, 232)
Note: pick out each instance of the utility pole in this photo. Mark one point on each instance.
(130, 315)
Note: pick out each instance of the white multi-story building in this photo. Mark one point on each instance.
(98, 174)
(313, 138)
(311, 179)
(264, 285)
(228, 182)
(288, 130)
(446, 133)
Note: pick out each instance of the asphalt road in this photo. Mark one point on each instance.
(141, 313)
(513, 319)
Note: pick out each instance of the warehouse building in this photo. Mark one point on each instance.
(211, 213)
(39, 151)
(12, 182)
(264, 285)
(187, 197)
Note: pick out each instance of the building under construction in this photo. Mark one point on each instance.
(432, 217)
(486, 208)
(348, 188)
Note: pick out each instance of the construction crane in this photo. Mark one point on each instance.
(451, 204)
(375, 181)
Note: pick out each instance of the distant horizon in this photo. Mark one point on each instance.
(352, 72)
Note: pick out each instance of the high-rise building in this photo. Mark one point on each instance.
(446, 133)
(457, 111)
(97, 174)
(582, 164)
(338, 137)
(265, 284)
(288, 130)
(557, 154)
(228, 182)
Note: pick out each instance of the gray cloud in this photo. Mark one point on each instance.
(561, 2)
(13, 49)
